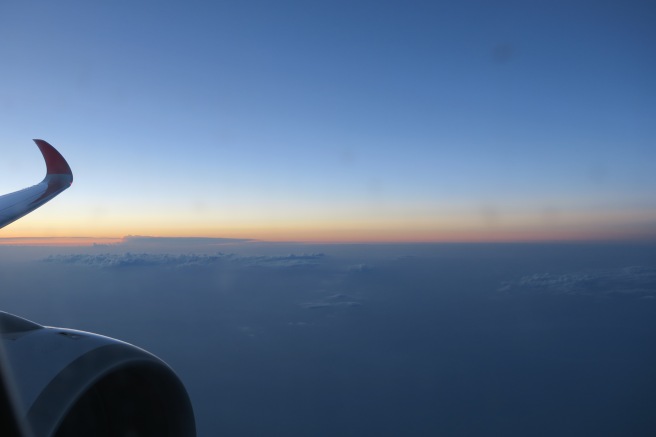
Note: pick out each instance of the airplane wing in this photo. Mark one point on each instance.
(58, 177)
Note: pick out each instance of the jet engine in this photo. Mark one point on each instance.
(63, 382)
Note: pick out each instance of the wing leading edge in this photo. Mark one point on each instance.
(58, 178)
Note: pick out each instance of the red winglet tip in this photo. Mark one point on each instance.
(55, 162)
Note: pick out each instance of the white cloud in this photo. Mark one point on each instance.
(339, 300)
(635, 281)
(128, 259)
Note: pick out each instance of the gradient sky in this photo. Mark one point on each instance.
(334, 121)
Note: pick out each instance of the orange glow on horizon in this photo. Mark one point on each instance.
(57, 241)
(336, 236)
(447, 227)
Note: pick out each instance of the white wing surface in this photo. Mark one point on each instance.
(58, 177)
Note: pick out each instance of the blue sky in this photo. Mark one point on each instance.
(335, 121)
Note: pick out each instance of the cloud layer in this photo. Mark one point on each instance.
(128, 259)
(635, 281)
(408, 340)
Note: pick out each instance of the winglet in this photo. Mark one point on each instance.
(58, 178)
(55, 163)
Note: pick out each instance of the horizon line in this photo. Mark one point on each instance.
(83, 241)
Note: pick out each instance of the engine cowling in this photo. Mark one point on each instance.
(64, 382)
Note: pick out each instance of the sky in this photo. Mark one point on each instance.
(334, 121)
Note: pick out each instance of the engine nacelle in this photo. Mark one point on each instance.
(73, 383)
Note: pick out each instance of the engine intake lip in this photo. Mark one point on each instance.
(116, 385)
